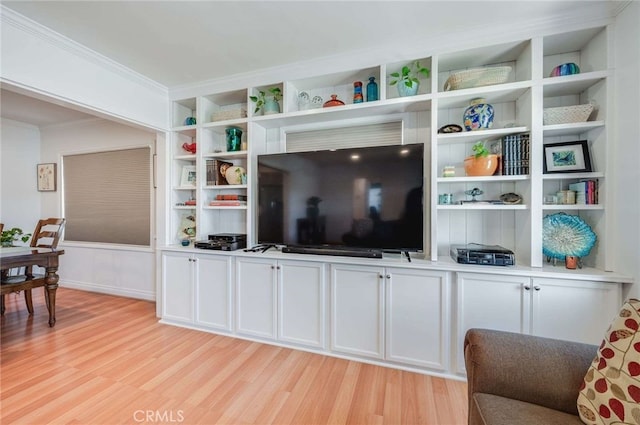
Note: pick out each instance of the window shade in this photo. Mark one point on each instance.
(107, 196)
(383, 134)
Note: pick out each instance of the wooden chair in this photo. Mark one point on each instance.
(46, 235)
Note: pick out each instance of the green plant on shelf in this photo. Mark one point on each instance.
(261, 98)
(479, 149)
(409, 74)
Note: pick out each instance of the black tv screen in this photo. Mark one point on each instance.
(358, 197)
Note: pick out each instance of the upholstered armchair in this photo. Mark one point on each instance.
(524, 379)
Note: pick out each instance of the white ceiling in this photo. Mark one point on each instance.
(178, 43)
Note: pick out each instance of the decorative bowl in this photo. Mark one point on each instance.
(566, 235)
(482, 166)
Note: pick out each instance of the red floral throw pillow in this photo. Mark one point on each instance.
(610, 393)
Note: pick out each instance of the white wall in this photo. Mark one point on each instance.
(20, 153)
(626, 197)
(115, 270)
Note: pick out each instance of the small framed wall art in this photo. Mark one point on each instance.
(188, 176)
(567, 157)
(47, 177)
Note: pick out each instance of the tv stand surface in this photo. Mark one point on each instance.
(346, 251)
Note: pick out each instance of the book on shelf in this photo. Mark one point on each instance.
(230, 197)
(210, 172)
(586, 192)
(513, 153)
(227, 203)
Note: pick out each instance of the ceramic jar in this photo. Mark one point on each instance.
(236, 175)
(478, 116)
(333, 102)
(404, 90)
(271, 106)
(565, 69)
(234, 139)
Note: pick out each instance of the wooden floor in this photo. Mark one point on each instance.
(109, 361)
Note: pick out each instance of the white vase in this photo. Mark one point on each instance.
(404, 90)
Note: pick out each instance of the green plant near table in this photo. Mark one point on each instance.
(409, 74)
(261, 98)
(479, 149)
(12, 235)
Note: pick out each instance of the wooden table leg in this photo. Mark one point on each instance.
(51, 284)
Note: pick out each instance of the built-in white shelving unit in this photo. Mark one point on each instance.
(518, 105)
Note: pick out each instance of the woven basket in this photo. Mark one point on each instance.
(567, 114)
(228, 114)
(477, 77)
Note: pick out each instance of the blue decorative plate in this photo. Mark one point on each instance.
(564, 235)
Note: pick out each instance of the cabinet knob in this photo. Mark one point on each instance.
(278, 267)
(388, 276)
(537, 288)
(273, 267)
(381, 276)
(527, 287)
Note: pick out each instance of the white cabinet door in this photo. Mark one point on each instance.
(357, 320)
(574, 310)
(491, 301)
(301, 289)
(256, 297)
(417, 311)
(213, 291)
(177, 287)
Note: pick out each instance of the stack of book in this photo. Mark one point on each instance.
(514, 154)
(586, 192)
(228, 200)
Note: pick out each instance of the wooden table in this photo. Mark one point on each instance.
(43, 257)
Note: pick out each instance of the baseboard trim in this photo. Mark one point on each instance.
(110, 290)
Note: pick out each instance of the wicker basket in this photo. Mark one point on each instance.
(567, 114)
(228, 114)
(477, 77)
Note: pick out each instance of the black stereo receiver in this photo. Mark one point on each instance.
(223, 242)
(488, 255)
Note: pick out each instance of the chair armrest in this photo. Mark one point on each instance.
(543, 371)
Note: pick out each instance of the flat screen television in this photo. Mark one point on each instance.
(369, 197)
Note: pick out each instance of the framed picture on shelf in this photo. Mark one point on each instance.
(567, 157)
(188, 176)
(46, 177)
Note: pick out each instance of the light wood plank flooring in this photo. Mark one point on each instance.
(109, 361)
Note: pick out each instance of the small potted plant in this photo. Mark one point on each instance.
(407, 80)
(481, 162)
(12, 235)
(268, 103)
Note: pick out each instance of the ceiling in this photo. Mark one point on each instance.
(178, 43)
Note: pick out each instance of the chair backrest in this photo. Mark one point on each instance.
(47, 233)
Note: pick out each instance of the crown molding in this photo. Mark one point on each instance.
(10, 17)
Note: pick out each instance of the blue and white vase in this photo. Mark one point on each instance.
(478, 116)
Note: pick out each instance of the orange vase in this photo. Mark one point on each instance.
(482, 166)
